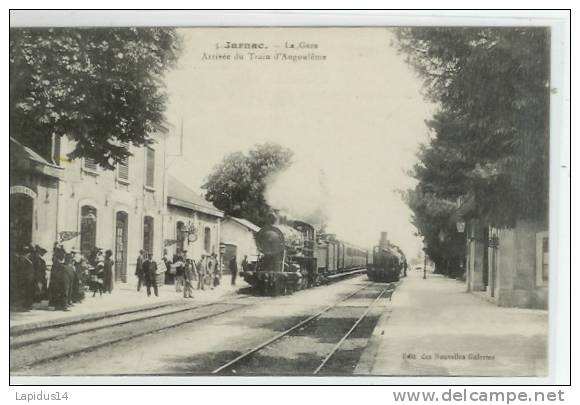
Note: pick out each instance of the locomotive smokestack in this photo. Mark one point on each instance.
(384, 242)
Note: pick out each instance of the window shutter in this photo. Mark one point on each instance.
(123, 167)
(150, 170)
(148, 234)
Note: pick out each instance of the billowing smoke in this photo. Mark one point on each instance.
(300, 192)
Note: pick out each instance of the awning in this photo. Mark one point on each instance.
(24, 158)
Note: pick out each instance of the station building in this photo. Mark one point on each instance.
(34, 186)
(83, 206)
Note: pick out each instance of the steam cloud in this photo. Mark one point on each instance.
(301, 192)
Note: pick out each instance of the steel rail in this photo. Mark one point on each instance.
(284, 333)
(27, 342)
(353, 327)
(125, 338)
(117, 340)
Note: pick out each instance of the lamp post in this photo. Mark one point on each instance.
(460, 224)
(424, 261)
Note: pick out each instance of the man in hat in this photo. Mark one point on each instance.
(234, 269)
(139, 271)
(150, 270)
(59, 286)
(22, 279)
(39, 266)
(201, 272)
(57, 253)
(73, 276)
(178, 263)
(189, 274)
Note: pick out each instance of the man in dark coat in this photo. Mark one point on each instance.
(70, 277)
(139, 269)
(150, 270)
(60, 281)
(39, 266)
(234, 269)
(178, 261)
(22, 279)
(245, 264)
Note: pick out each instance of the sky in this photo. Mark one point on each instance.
(357, 116)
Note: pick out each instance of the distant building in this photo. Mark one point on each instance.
(191, 223)
(509, 267)
(238, 239)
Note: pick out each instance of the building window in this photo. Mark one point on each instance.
(148, 228)
(150, 168)
(90, 165)
(180, 235)
(542, 259)
(56, 150)
(123, 167)
(545, 261)
(88, 230)
(207, 239)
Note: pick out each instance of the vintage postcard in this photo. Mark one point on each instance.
(282, 201)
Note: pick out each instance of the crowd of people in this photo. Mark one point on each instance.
(187, 273)
(73, 275)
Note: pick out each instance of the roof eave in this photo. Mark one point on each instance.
(194, 207)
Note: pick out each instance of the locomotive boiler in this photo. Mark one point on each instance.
(286, 263)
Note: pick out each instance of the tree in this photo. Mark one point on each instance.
(100, 87)
(492, 86)
(490, 138)
(237, 184)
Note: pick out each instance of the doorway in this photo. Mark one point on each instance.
(121, 226)
(21, 215)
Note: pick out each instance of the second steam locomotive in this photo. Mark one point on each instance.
(388, 262)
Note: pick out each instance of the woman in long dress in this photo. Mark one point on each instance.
(61, 281)
(108, 272)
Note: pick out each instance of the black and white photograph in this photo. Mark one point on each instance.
(192, 200)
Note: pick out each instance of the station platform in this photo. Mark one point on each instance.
(434, 327)
(123, 299)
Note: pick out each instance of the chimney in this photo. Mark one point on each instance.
(384, 242)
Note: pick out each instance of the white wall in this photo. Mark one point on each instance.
(242, 237)
(109, 195)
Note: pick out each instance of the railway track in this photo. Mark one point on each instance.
(31, 348)
(245, 357)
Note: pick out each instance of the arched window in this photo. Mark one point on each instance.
(88, 230)
(148, 228)
(180, 235)
(121, 238)
(207, 239)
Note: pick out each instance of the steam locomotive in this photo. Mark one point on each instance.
(388, 262)
(294, 257)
